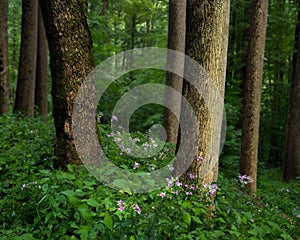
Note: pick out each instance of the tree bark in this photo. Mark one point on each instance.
(4, 90)
(41, 88)
(206, 42)
(104, 7)
(291, 167)
(24, 102)
(252, 91)
(71, 60)
(176, 41)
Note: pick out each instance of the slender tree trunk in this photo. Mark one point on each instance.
(28, 54)
(4, 91)
(176, 41)
(104, 7)
(105, 12)
(14, 59)
(71, 60)
(291, 168)
(252, 91)
(41, 88)
(206, 42)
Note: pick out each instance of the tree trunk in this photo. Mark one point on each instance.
(105, 12)
(206, 42)
(71, 60)
(105, 7)
(4, 91)
(291, 168)
(28, 54)
(176, 41)
(41, 88)
(252, 91)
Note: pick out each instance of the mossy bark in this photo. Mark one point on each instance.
(291, 168)
(206, 42)
(24, 102)
(252, 91)
(4, 92)
(41, 85)
(71, 61)
(176, 42)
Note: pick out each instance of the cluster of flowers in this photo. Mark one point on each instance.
(135, 207)
(26, 185)
(212, 188)
(174, 187)
(119, 137)
(244, 179)
(297, 212)
(285, 190)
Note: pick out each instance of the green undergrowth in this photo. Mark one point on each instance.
(39, 202)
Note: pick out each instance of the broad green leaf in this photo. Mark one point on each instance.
(108, 221)
(86, 214)
(25, 236)
(187, 219)
(68, 193)
(92, 202)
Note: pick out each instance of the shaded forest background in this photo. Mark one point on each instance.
(123, 25)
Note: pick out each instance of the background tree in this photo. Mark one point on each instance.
(71, 60)
(275, 87)
(252, 91)
(206, 42)
(4, 91)
(14, 42)
(41, 85)
(24, 102)
(291, 168)
(176, 41)
(282, 17)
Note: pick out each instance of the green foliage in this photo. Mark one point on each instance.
(145, 116)
(282, 16)
(14, 39)
(128, 24)
(277, 72)
(37, 202)
(120, 155)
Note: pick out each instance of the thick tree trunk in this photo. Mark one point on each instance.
(4, 91)
(28, 54)
(291, 168)
(206, 42)
(71, 61)
(176, 41)
(252, 91)
(41, 87)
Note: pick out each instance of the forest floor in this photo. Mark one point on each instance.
(39, 202)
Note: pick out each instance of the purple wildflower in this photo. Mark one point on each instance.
(111, 135)
(114, 118)
(137, 209)
(178, 184)
(171, 168)
(162, 195)
(136, 165)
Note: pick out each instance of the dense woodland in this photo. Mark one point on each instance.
(248, 189)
